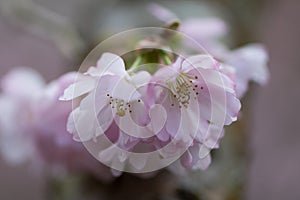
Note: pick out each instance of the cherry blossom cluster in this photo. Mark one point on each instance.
(132, 118)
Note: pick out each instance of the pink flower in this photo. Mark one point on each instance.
(112, 94)
(113, 97)
(181, 109)
(33, 128)
(199, 100)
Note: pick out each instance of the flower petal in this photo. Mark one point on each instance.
(125, 90)
(202, 29)
(189, 123)
(203, 61)
(157, 116)
(108, 64)
(140, 78)
(250, 63)
(86, 125)
(77, 89)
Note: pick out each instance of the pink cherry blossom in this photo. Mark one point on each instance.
(111, 94)
(191, 90)
(113, 97)
(181, 109)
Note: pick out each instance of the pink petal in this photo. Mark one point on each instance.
(186, 159)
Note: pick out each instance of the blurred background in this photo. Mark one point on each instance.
(54, 36)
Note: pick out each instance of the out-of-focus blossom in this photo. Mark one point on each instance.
(250, 61)
(33, 124)
(206, 32)
(21, 89)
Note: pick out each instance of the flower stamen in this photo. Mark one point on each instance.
(181, 89)
(120, 105)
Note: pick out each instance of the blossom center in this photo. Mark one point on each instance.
(183, 88)
(120, 106)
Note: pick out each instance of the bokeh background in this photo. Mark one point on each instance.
(53, 37)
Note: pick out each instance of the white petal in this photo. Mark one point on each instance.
(201, 156)
(105, 118)
(108, 64)
(77, 89)
(126, 91)
(202, 61)
(218, 106)
(250, 63)
(203, 163)
(85, 125)
(157, 116)
(93, 101)
(203, 151)
(214, 77)
(189, 123)
(138, 162)
(174, 116)
(140, 78)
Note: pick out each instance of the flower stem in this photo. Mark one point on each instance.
(136, 64)
(166, 58)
